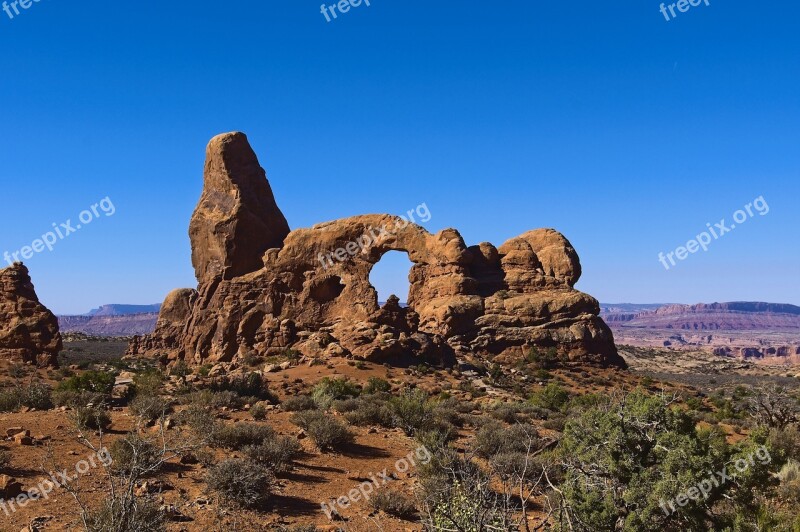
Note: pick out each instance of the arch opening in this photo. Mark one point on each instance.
(390, 276)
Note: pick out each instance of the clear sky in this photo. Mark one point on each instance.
(624, 131)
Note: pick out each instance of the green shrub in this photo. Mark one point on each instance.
(74, 399)
(89, 381)
(412, 411)
(276, 454)
(299, 403)
(552, 397)
(371, 412)
(329, 390)
(5, 460)
(543, 359)
(148, 382)
(249, 385)
(149, 407)
(327, 433)
(258, 411)
(134, 456)
(377, 385)
(241, 483)
(91, 418)
(240, 435)
(393, 503)
(494, 438)
(126, 513)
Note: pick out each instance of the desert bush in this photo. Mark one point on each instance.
(552, 397)
(456, 496)
(246, 386)
(393, 503)
(346, 405)
(134, 455)
(240, 435)
(329, 390)
(149, 408)
(622, 460)
(276, 454)
(258, 411)
(789, 477)
(74, 399)
(505, 412)
(90, 418)
(412, 411)
(35, 395)
(542, 359)
(148, 382)
(199, 419)
(495, 438)
(5, 460)
(377, 385)
(327, 433)
(240, 483)
(786, 442)
(299, 403)
(126, 514)
(89, 381)
(371, 412)
(10, 400)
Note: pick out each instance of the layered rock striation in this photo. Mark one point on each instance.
(28, 330)
(264, 289)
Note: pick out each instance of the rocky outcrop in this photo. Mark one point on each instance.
(263, 289)
(28, 331)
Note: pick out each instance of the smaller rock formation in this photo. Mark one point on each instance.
(28, 330)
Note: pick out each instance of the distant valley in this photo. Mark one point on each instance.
(768, 332)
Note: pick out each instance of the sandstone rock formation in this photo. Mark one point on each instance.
(263, 289)
(28, 331)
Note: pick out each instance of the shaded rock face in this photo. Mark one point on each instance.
(28, 330)
(498, 302)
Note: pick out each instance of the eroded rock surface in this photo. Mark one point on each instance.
(28, 330)
(298, 294)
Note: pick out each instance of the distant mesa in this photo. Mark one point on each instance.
(124, 310)
(28, 330)
(734, 316)
(262, 288)
(113, 320)
(768, 332)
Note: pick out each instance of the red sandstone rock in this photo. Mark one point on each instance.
(28, 330)
(497, 302)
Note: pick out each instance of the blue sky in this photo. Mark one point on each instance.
(624, 131)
